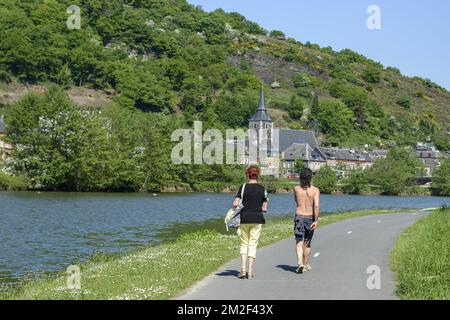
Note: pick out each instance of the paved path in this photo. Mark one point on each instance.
(342, 252)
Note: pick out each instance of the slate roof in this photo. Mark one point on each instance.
(287, 137)
(346, 154)
(302, 151)
(427, 154)
(261, 113)
(378, 153)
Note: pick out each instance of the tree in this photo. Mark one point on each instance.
(356, 181)
(335, 120)
(390, 176)
(372, 74)
(395, 172)
(46, 131)
(295, 108)
(405, 155)
(315, 105)
(440, 182)
(277, 34)
(299, 165)
(325, 179)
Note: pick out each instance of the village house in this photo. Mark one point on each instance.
(429, 156)
(311, 157)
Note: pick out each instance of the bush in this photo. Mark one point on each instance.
(372, 75)
(295, 108)
(11, 183)
(419, 93)
(301, 80)
(440, 183)
(325, 179)
(395, 172)
(304, 93)
(355, 182)
(336, 120)
(404, 102)
(277, 34)
(337, 88)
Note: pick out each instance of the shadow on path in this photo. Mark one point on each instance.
(287, 268)
(228, 273)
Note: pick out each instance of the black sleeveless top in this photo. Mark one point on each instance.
(254, 196)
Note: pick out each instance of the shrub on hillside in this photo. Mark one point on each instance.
(404, 102)
(372, 74)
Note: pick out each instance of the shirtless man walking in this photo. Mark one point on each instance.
(307, 213)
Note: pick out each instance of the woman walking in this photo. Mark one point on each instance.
(254, 200)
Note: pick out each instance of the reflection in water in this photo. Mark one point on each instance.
(48, 231)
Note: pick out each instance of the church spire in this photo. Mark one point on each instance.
(262, 103)
(261, 113)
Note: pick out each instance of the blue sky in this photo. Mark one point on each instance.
(414, 35)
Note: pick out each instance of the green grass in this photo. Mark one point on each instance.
(421, 258)
(160, 272)
(11, 183)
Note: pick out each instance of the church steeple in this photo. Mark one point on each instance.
(261, 113)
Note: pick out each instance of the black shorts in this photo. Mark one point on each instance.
(302, 228)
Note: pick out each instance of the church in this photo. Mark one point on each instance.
(284, 146)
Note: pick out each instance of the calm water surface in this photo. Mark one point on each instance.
(48, 231)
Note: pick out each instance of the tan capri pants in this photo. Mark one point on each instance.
(249, 235)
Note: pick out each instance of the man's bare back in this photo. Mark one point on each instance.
(308, 201)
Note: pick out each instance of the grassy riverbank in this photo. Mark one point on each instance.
(160, 272)
(12, 183)
(421, 258)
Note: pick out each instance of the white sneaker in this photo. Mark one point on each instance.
(307, 268)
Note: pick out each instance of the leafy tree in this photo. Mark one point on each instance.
(355, 181)
(441, 141)
(213, 27)
(299, 165)
(337, 88)
(440, 182)
(315, 108)
(391, 177)
(395, 172)
(335, 120)
(234, 110)
(372, 74)
(277, 33)
(405, 155)
(325, 179)
(47, 132)
(295, 108)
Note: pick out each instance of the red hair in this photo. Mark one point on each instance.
(253, 172)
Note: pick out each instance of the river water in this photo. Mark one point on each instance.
(44, 232)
